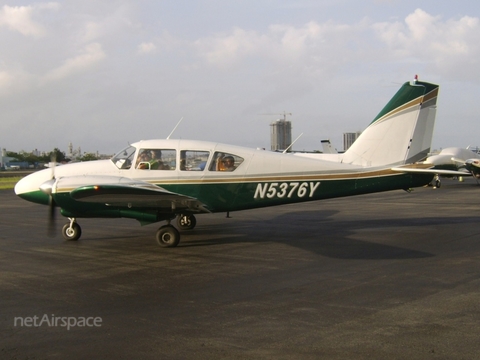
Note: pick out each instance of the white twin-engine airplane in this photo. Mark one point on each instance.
(159, 180)
(455, 161)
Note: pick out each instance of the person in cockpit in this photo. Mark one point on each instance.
(144, 159)
(225, 163)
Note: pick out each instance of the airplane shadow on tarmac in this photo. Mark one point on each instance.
(314, 231)
(317, 231)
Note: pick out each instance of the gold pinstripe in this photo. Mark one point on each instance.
(315, 177)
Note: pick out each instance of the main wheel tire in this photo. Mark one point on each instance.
(73, 233)
(186, 222)
(168, 236)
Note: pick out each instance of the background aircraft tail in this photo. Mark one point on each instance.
(402, 132)
(327, 147)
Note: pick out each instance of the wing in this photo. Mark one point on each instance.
(124, 192)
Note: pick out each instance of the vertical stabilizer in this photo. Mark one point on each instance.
(327, 147)
(402, 132)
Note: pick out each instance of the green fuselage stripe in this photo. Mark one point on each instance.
(232, 196)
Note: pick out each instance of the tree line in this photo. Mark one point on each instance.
(53, 156)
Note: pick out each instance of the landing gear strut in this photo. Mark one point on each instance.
(71, 231)
(167, 235)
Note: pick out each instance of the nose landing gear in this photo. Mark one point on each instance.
(71, 231)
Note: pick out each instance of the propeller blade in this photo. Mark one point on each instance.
(51, 218)
(52, 205)
(53, 163)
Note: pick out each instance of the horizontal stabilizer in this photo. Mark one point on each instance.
(417, 168)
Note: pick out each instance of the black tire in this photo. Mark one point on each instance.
(71, 234)
(186, 222)
(167, 236)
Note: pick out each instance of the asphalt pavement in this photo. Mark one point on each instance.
(393, 275)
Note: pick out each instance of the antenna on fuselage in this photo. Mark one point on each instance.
(168, 137)
(293, 142)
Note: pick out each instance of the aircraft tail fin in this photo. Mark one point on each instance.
(327, 147)
(402, 132)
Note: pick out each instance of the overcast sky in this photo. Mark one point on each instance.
(102, 74)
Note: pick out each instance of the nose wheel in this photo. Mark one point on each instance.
(71, 231)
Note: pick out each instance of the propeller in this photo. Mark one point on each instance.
(52, 205)
(470, 165)
(47, 188)
(51, 219)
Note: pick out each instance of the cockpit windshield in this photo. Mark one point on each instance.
(123, 159)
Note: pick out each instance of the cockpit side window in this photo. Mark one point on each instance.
(193, 160)
(156, 159)
(124, 158)
(225, 162)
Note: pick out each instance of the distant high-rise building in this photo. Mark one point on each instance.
(349, 139)
(281, 134)
(4, 155)
(70, 150)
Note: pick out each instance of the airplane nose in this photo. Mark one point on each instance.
(21, 186)
(28, 188)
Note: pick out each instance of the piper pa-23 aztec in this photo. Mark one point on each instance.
(159, 180)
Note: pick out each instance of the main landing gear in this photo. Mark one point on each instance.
(436, 183)
(167, 235)
(186, 222)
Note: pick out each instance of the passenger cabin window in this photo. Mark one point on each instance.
(225, 162)
(156, 159)
(192, 160)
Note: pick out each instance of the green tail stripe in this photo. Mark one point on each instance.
(406, 94)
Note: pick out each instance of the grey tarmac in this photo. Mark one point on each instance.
(392, 275)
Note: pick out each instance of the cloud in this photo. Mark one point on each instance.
(451, 46)
(108, 26)
(145, 48)
(319, 48)
(20, 18)
(227, 50)
(280, 44)
(310, 51)
(91, 55)
(6, 81)
(14, 80)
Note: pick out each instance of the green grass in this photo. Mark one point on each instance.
(8, 182)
